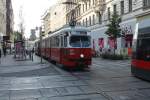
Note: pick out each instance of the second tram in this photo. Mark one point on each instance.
(140, 66)
(69, 46)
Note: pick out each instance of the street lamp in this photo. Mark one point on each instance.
(1, 39)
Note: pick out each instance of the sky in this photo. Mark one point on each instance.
(32, 10)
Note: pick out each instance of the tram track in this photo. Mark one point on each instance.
(99, 91)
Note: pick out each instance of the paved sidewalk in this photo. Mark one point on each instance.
(27, 80)
(10, 60)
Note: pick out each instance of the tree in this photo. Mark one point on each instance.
(114, 30)
(17, 36)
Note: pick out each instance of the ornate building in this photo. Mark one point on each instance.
(55, 17)
(95, 14)
(6, 18)
(9, 19)
(3, 17)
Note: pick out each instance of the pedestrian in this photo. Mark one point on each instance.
(4, 49)
(32, 53)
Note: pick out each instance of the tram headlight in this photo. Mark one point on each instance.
(82, 56)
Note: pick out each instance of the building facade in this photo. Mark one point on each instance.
(55, 17)
(9, 20)
(6, 18)
(95, 14)
(47, 22)
(3, 17)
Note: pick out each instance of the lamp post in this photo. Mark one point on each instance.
(1, 39)
(40, 30)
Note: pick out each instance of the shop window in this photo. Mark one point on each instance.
(112, 42)
(101, 44)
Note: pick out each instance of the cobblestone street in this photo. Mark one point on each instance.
(106, 80)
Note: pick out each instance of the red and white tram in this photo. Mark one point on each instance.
(69, 46)
(140, 66)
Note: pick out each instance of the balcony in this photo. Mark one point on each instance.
(99, 6)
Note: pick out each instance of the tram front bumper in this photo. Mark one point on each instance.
(78, 62)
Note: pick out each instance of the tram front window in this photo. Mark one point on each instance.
(80, 41)
(143, 49)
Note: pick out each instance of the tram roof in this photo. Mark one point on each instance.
(70, 29)
(76, 28)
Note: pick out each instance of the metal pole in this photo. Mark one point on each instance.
(41, 43)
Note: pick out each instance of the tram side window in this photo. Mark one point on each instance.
(46, 43)
(62, 41)
(52, 41)
(143, 49)
(57, 41)
(49, 40)
(43, 44)
(65, 41)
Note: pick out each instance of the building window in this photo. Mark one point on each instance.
(83, 8)
(89, 3)
(90, 21)
(99, 18)
(115, 9)
(108, 13)
(93, 2)
(146, 3)
(83, 23)
(86, 5)
(78, 11)
(122, 7)
(130, 5)
(93, 19)
(86, 22)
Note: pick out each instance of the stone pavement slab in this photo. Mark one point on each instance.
(26, 86)
(127, 95)
(4, 95)
(77, 97)
(23, 94)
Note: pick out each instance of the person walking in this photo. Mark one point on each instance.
(4, 49)
(32, 53)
